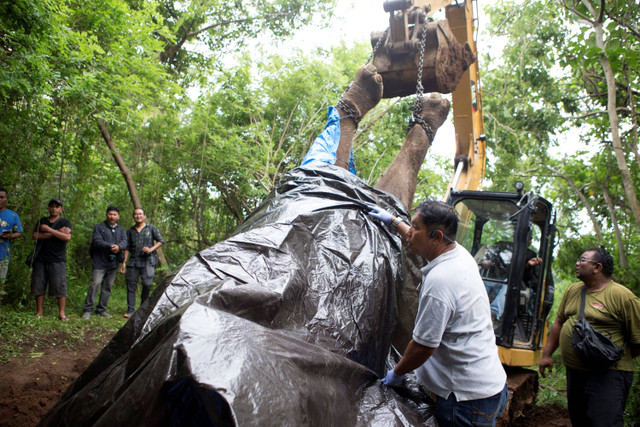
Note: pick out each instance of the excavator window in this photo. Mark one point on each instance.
(488, 231)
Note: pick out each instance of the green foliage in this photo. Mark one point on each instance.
(65, 64)
(553, 388)
(222, 26)
(523, 92)
(19, 328)
(632, 410)
(550, 73)
(550, 121)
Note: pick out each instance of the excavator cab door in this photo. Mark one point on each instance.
(503, 231)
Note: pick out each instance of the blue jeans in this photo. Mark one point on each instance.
(106, 278)
(479, 412)
(497, 293)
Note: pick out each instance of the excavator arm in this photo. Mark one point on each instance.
(399, 53)
(470, 158)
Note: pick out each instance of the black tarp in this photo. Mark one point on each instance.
(289, 322)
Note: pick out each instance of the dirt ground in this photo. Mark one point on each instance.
(32, 384)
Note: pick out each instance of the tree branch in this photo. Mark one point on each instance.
(133, 193)
(594, 113)
(601, 14)
(623, 24)
(583, 199)
(575, 12)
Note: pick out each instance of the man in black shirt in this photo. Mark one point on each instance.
(107, 244)
(50, 265)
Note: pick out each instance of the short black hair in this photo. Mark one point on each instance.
(5, 191)
(113, 208)
(135, 209)
(435, 212)
(601, 255)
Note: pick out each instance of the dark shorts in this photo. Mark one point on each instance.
(53, 273)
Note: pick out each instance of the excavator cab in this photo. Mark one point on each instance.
(503, 232)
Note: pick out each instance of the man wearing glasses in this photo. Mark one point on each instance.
(596, 397)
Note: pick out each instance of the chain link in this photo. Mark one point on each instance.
(351, 113)
(375, 49)
(423, 42)
(416, 117)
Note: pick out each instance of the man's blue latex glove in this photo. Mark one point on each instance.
(381, 214)
(392, 379)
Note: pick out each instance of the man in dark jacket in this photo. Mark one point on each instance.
(107, 246)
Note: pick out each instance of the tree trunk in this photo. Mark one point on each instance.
(614, 221)
(133, 193)
(632, 107)
(614, 120)
(584, 200)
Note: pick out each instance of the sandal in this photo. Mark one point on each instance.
(64, 319)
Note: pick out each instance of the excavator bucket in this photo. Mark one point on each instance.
(398, 56)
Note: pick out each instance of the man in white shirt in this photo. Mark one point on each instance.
(453, 349)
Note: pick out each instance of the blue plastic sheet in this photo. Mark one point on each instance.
(325, 146)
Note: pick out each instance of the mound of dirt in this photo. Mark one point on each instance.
(33, 383)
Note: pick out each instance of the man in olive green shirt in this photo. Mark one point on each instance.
(596, 398)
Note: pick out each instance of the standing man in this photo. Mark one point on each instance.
(50, 266)
(107, 244)
(10, 228)
(453, 349)
(143, 239)
(596, 397)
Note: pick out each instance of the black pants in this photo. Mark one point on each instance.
(597, 398)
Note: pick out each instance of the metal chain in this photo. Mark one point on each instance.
(352, 113)
(416, 117)
(423, 42)
(375, 49)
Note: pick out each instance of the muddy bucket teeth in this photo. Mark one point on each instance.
(444, 60)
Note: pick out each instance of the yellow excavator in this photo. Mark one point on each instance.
(503, 231)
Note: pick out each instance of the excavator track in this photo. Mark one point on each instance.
(523, 390)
